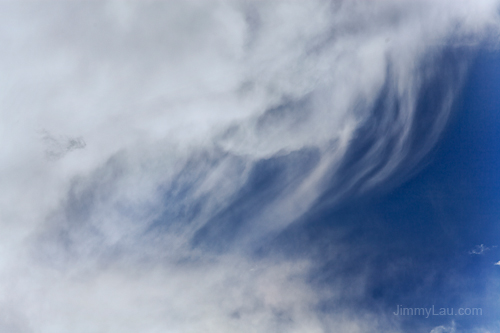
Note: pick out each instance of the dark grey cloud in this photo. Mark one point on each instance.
(57, 147)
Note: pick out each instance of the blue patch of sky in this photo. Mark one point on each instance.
(413, 243)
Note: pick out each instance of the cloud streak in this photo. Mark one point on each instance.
(209, 127)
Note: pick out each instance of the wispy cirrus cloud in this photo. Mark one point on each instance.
(208, 127)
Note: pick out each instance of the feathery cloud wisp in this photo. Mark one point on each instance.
(208, 126)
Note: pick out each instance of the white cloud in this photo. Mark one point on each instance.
(444, 329)
(155, 89)
(479, 249)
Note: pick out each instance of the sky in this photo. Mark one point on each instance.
(250, 166)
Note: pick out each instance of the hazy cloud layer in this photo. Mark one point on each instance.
(207, 127)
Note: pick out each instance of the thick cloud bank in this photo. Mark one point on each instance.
(148, 148)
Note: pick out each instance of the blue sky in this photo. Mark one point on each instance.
(227, 166)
